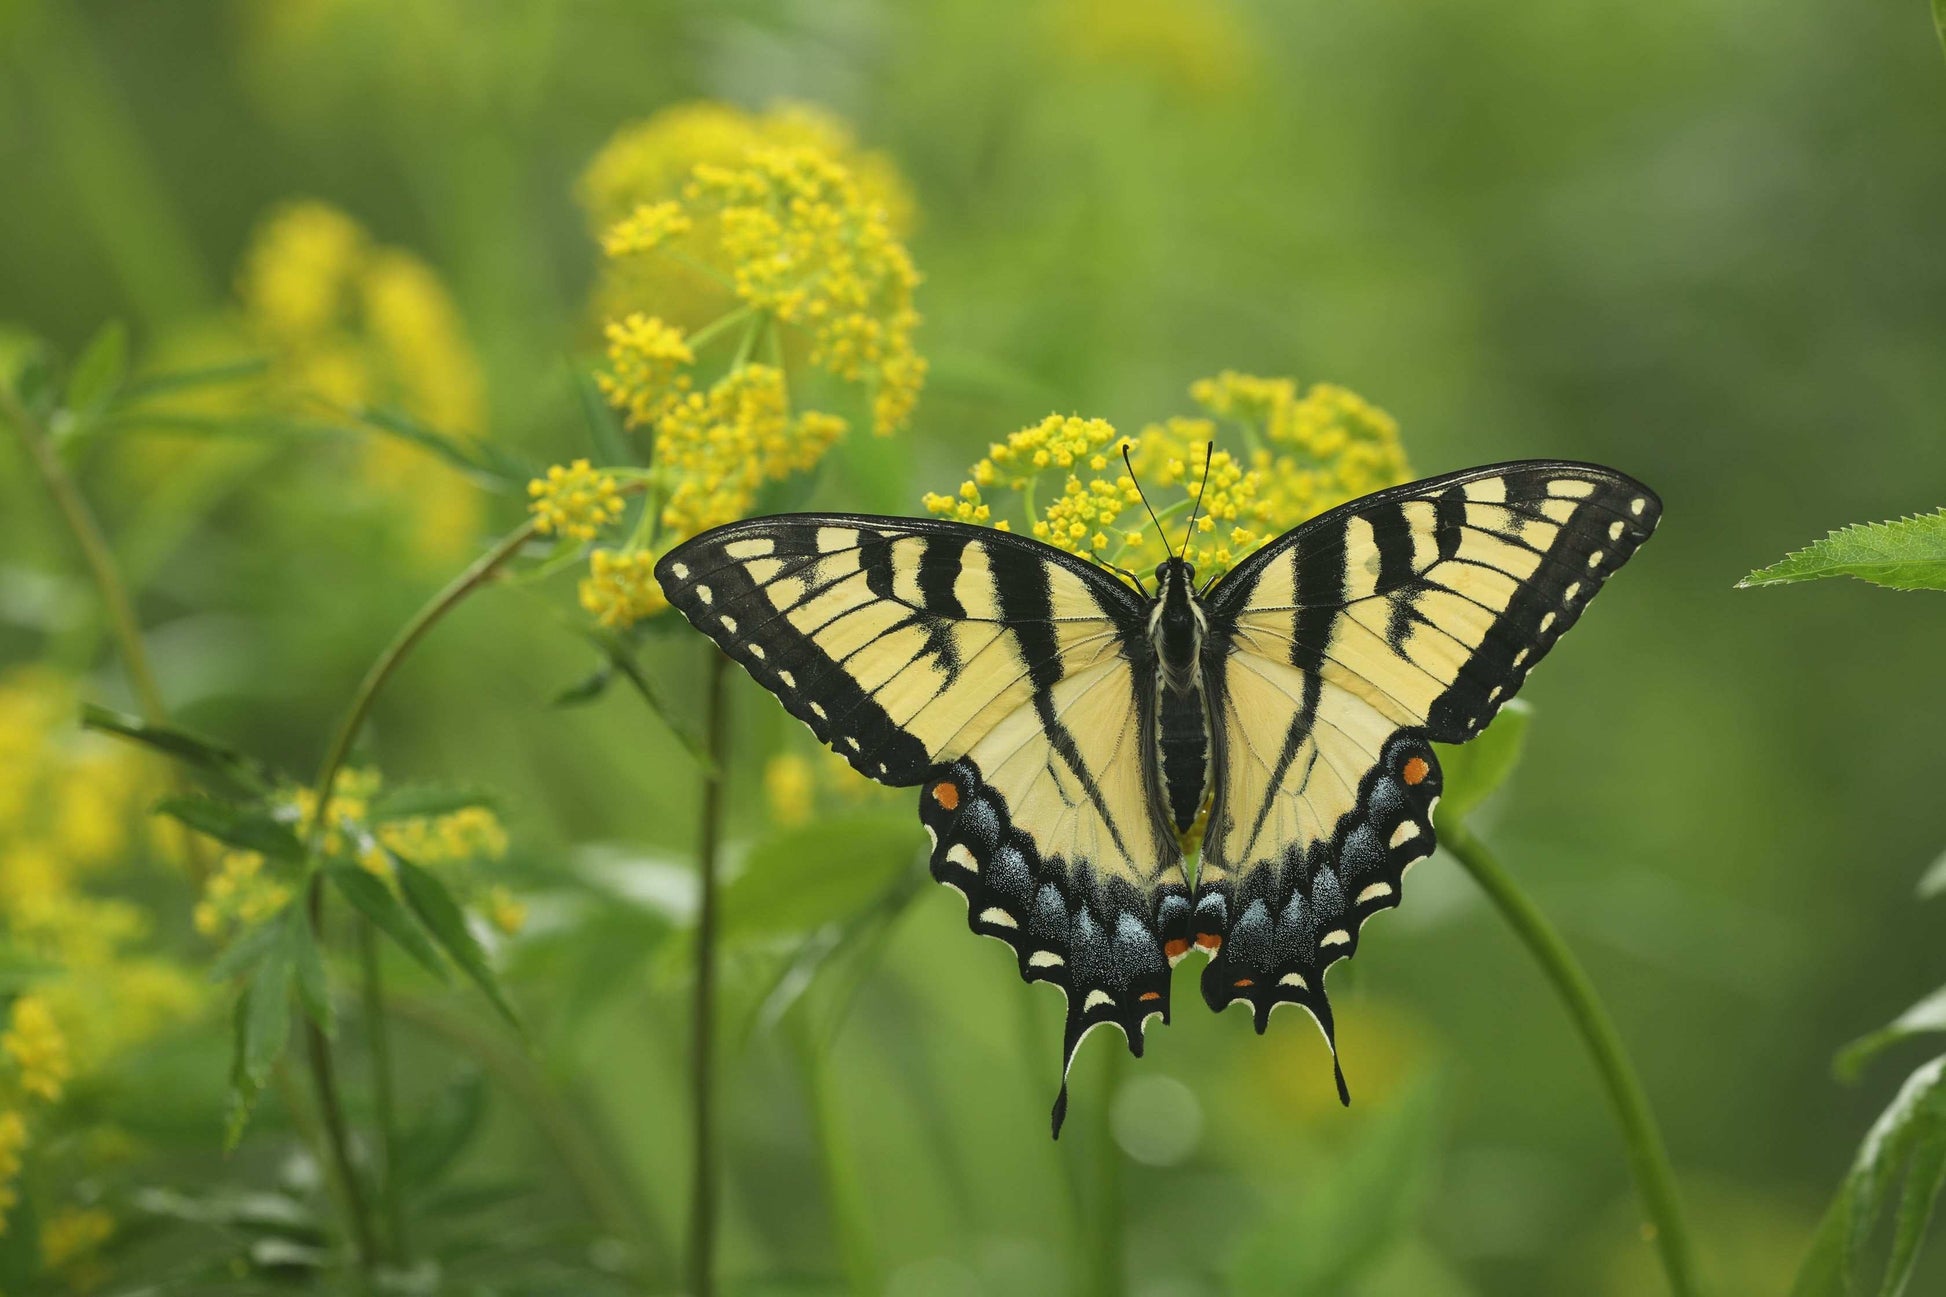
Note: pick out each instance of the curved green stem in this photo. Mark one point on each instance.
(1648, 1159)
(384, 1105)
(95, 550)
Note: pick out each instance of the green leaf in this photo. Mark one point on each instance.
(248, 827)
(494, 465)
(801, 879)
(442, 916)
(586, 690)
(623, 660)
(223, 766)
(262, 1026)
(1473, 772)
(1904, 554)
(179, 380)
(242, 954)
(1926, 1017)
(1909, 1137)
(1934, 883)
(1939, 20)
(99, 372)
(604, 429)
(373, 899)
(313, 988)
(411, 801)
(444, 1130)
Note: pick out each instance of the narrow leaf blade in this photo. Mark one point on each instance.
(224, 766)
(373, 899)
(1924, 1018)
(1902, 554)
(98, 373)
(1934, 883)
(244, 826)
(443, 917)
(313, 988)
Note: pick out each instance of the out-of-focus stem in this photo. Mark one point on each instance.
(1648, 1158)
(702, 1201)
(385, 1109)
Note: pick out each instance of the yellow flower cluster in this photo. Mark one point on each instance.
(350, 323)
(239, 894)
(647, 228)
(70, 1241)
(620, 588)
(576, 501)
(468, 834)
(37, 1048)
(74, 823)
(646, 360)
(1199, 49)
(717, 450)
(804, 245)
(1302, 452)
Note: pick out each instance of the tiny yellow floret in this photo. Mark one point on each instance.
(575, 501)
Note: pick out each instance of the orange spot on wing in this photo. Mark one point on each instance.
(1246, 981)
(1416, 770)
(1152, 995)
(1210, 941)
(1175, 947)
(946, 793)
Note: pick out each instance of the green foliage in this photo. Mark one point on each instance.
(244, 826)
(373, 899)
(1474, 771)
(1905, 554)
(98, 374)
(1926, 1017)
(228, 770)
(444, 920)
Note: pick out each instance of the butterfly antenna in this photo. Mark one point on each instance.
(1145, 499)
(1209, 449)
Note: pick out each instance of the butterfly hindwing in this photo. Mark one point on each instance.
(1338, 654)
(1010, 682)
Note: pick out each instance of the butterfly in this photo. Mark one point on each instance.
(1068, 727)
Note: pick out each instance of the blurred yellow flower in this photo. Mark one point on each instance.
(69, 1241)
(1200, 48)
(788, 789)
(239, 895)
(646, 229)
(504, 910)
(576, 501)
(1301, 453)
(352, 324)
(13, 1143)
(38, 1049)
(620, 588)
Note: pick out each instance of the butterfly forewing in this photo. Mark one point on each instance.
(1013, 685)
(1337, 655)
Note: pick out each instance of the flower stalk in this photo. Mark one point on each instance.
(702, 1205)
(1648, 1158)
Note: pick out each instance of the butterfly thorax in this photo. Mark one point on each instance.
(1177, 626)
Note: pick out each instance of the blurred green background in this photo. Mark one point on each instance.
(1700, 243)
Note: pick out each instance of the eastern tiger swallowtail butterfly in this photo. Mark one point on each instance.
(1065, 727)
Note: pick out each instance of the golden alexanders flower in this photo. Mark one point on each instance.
(1291, 454)
(620, 588)
(575, 501)
(37, 1048)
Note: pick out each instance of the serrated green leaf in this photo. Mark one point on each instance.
(307, 963)
(413, 801)
(242, 954)
(373, 899)
(262, 1027)
(443, 918)
(1926, 1017)
(99, 372)
(242, 825)
(223, 766)
(1474, 771)
(1934, 882)
(1903, 554)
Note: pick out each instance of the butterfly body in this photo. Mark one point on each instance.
(1066, 729)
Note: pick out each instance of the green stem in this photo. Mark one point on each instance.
(748, 347)
(602, 1188)
(1648, 1159)
(95, 550)
(391, 1200)
(702, 1202)
(324, 1079)
(716, 328)
(844, 1187)
(1103, 1263)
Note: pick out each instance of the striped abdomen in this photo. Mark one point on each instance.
(1183, 738)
